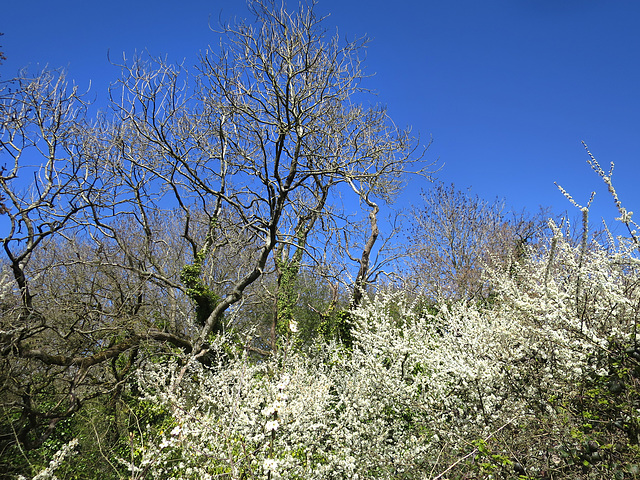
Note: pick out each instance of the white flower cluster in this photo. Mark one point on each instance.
(56, 461)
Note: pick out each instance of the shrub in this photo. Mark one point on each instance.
(542, 383)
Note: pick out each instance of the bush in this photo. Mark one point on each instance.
(540, 383)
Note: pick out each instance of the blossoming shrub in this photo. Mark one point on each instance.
(542, 382)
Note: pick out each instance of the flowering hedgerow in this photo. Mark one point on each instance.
(489, 389)
(540, 381)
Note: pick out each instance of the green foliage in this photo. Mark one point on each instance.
(204, 298)
(311, 306)
(606, 414)
(338, 327)
(287, 296)
(106, 432)
(489, 463)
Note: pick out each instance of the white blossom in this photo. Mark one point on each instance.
(271, 425)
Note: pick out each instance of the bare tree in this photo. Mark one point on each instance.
(454, 235)
(268, 131)
(42, 116)
(179, 199)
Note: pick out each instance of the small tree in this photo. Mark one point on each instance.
(455, 235)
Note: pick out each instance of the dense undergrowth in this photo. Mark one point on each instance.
(541, 382)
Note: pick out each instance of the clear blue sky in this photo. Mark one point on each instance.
(507, 88)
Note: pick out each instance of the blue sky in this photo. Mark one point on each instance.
(506, 88)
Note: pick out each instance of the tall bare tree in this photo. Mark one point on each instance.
(177, 199)
(266, 133)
